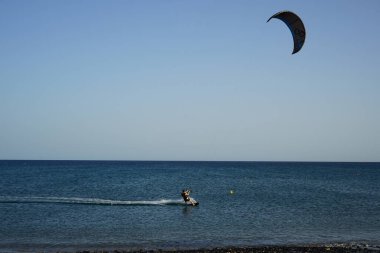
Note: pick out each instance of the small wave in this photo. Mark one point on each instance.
(88, 201)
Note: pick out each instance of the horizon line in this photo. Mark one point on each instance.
(164, 160)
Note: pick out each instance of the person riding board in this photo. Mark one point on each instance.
(186, 196)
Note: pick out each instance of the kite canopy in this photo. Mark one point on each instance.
(295, 25)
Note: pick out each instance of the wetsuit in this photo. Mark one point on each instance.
(185, 196)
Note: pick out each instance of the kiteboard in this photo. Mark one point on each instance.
(190, 204)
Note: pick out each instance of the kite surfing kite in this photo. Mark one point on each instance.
(295, 25)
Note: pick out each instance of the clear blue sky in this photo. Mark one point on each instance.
(189, 80)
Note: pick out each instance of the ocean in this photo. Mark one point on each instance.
(54, 206)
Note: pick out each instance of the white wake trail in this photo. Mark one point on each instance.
(88, 201)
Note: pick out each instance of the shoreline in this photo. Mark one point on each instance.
(269, 249)
(293, 248)
(254, 249)
(309, 248)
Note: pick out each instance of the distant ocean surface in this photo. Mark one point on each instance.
(77, 205)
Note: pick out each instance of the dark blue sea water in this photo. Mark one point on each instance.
(73, 205)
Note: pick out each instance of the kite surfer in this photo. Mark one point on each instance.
(186, 197)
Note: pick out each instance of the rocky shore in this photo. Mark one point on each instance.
(264, 249)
